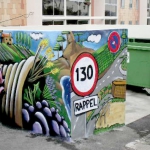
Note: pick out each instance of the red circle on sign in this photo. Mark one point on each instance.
(114, 41)
(74, 87)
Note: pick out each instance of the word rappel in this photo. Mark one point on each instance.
(86, 104)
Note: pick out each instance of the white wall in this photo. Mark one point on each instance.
(34, 6)
(134, 31)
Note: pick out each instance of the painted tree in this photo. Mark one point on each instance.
(124, 36)
(57, 48)
(66, 33)
(28, 42)
(24, 39)
(60, 40)
(17, 37)
(78, 34)
(21, 38)
(83, 40)
(1, 31)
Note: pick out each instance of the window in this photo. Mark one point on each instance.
(122, 22)
(148, 8)
(148, 12)
(137, 4)
(64, 9)
(130, 4)
(122, 3)
(130, 22)
(51, 22)
(109, 21)
(53, 7)
(110, 8)
(148, 3)
(77, 8)
(79, 22)
(137, 22)
(148, 21)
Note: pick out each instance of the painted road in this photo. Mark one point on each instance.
(79, 127)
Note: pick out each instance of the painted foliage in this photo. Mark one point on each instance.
(63, 83)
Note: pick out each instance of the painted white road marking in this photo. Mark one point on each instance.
(108, 77)
(123, 54)
(118, 60)
(75, 123)
(116, 65)
(103, 80)
(113, 72)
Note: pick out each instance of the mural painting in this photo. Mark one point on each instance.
(98, 75)
(63, 83)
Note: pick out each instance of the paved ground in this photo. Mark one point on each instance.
(134, 136)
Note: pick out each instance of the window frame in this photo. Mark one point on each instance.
(90, 18)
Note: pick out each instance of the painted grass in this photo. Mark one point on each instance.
(12, 52)
(117, 100)
(101, 130)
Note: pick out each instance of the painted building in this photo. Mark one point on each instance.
(65, 12)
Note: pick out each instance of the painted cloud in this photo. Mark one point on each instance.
(94, 38)
(36, 36)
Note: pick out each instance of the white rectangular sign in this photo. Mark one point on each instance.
(85, 104)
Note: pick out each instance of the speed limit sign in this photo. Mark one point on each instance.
(84, 74)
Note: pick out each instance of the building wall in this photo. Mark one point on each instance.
(127, 14)
(35, 8)
(10, 9)
(143, 12)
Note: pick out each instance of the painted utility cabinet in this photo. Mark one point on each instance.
(70, 84)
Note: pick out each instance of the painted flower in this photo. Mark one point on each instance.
(49, 64)
(44, 43)
(50, 56)
(49, 50)
(55, 70)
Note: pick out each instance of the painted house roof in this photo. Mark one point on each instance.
(5, 35)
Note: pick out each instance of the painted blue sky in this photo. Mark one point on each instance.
(101, 35)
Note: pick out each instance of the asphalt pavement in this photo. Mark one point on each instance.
(135, 135)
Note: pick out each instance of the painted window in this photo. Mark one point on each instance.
(122, 3)
(130, 3)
